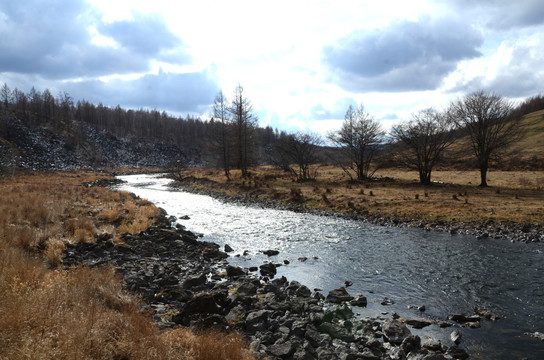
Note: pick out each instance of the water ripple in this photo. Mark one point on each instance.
(445, 273)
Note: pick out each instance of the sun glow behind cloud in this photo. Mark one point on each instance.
(301, 62)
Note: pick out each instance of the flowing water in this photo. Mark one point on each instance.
(448, 274)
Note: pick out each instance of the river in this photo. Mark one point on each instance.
(445, 273)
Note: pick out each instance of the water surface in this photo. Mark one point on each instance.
(448, 274)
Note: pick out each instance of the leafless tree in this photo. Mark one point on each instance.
(48, 105)
(490, 124)
(220, 132)
(302, 149)
(20, 101)
(359, 140)
(178, 168)
(5, 94)
(425, 136)
(244, 123)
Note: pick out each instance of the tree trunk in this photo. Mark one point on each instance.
(483, 176)
(424, 178)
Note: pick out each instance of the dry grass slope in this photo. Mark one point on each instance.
(80, 313)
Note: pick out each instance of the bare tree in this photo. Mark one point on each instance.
(5, 94)
(220, 132)
(489, 122)
(65, 103)
(48, 105)
(244, 123)
(21, 101)
(178, 168)
(35, 103)
(359, 140)
(426, 136)
(302, 149)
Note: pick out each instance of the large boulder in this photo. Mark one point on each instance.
(282, 350)
(339, 295)
(336, 331)
(360, 301)
(395, 332)
(410, 344)
(268, 270)
(257, 320)
(233, 271)
(203, 304)
(270, 252)
(418, 323)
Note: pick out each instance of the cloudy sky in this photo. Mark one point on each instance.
(301, 63)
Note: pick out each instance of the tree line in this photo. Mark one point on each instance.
(231, 138)
(190, 134)
(491, 124)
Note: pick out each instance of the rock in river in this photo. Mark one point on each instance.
(228, 248)
(270, 252)
(268, 270)
(456, 336)
(418, 323)
(339, 295)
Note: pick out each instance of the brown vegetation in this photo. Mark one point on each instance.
(453, 196)
(79, 313)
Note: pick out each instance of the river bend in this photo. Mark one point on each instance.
(446, 273)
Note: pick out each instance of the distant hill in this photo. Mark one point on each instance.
(530, 150)
(81, 145)
(527, 154)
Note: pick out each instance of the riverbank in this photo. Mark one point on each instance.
(52, 310)
(186, 281)
(511, 209)
(75, 257)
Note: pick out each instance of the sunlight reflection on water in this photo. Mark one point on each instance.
(448, 274)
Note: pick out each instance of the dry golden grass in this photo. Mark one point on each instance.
(516, 196)
(80, 313)
(527, 153)
(532, 144)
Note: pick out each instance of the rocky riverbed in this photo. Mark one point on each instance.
(188, 282)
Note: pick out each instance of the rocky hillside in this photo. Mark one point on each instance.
(80, 145)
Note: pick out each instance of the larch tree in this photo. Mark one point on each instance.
(5, 95)
(490, 123)
(220, 134)
(244, 122)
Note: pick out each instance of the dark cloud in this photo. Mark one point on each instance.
(52, 39)
(145, 34)
(174, 92)
(403, 56)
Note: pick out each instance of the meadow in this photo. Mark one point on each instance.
(513, 196)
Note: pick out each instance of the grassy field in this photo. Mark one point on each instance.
(80, 313)
(516, 196)
(527, 153)
(532, 144)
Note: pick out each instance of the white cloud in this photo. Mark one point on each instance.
(396, 57)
